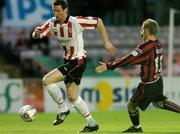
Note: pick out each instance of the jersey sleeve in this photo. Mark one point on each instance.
(46, 29)
(87, 22)
(138, 56)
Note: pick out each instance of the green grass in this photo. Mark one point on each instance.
(152, 121)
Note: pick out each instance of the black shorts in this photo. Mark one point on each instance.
(73, 70)
(147, 93)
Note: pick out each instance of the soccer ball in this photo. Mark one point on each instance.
(28, 113)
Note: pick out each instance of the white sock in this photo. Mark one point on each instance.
(56, 94)
(81, 106)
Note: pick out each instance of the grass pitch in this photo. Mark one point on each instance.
(152, 121)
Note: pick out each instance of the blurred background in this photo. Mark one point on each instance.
(24, 61)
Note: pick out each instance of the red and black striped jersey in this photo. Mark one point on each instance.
(149, 55)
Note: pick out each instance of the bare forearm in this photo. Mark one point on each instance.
(102, 31)
(107, 44)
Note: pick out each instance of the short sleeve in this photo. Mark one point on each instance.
(87, 22)
(46, 30)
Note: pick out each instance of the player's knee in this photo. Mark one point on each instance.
(72, 91)
(158, 104)
(131, 107)
(71, 97)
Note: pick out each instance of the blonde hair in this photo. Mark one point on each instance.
(151, 25)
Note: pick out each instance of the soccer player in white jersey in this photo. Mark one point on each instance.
(68, 30)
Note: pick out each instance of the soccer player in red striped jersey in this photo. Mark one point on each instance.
(150, 90)
(68, 31)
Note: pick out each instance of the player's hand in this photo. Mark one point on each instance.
(101, 68)
(38, 30)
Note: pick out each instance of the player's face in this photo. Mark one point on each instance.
(144, 34)
(59, 12)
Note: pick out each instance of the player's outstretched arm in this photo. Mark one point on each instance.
(107, 44)
(36, 33)
(101, 68)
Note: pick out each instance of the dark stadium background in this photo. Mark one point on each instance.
(119, 16)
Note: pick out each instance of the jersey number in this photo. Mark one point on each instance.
(158, 64)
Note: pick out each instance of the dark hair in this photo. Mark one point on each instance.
(151, 25)
(60, 2)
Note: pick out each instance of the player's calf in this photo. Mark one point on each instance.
(167, 105)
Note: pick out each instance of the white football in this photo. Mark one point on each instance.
(28, 113)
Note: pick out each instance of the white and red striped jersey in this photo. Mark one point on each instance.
(69, 34)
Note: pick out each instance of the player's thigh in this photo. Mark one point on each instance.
(53, 77)
(72, 91)
(75, 74)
